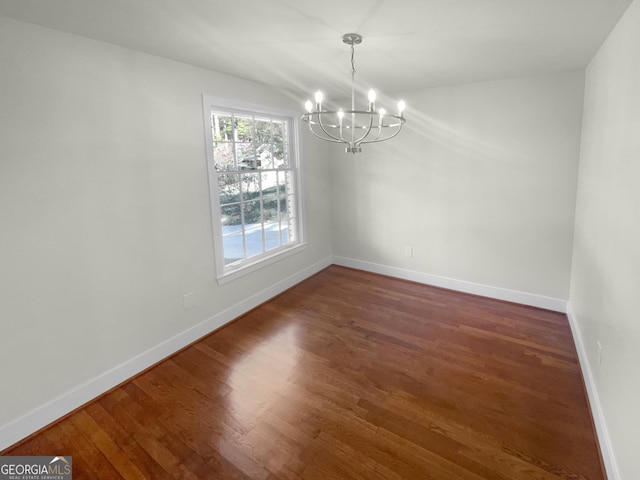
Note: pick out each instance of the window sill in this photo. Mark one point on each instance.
(259, 263)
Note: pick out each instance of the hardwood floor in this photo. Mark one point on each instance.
(349, 375)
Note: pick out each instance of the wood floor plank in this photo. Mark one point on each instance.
(349, 375)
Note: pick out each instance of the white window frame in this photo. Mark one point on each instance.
(226, 273)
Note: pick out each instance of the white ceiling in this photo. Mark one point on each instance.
(297, 44)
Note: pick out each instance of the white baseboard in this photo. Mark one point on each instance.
(49, 412)
(515, 296)
(604, 439)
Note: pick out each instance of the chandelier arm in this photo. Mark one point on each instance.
(308, 120)
(379, 128)
(365, 134)
(394, 125)
(387, 138)
(325, 130)
(391, 125)
(328, 139)
(332, 140)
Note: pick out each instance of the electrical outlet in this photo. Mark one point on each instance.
(599, 352)
(408, 251)
(189, 300)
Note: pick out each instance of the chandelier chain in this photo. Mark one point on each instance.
(353, 63)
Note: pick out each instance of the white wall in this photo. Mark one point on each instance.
(104, 210)
(481, 184)
(605, 283)
(105, 222)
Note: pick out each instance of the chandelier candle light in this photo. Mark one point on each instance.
(353, 127)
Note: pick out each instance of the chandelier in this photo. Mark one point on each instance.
(353, 127)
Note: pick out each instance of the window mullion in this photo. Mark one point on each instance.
(278, 208)
(264, 234)
(290, 206)
(242, 221)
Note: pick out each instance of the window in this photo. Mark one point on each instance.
(254, 184)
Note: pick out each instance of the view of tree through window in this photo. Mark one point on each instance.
(255, 176)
